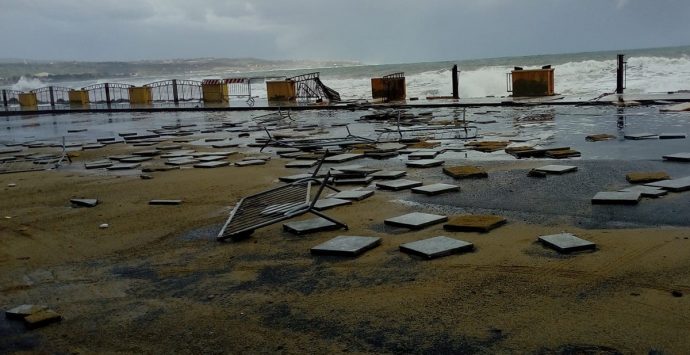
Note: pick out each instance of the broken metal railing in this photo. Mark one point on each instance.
(310, 86)
(34, 162)
(316, 143)
(459, 130)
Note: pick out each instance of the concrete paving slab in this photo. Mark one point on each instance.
(566, 243)
(397, 185)
(340, 158)
(672, 136)
(424, 154)
(415, 220)
(354, 181)
(641, 177)
(225, 145)
(424, 163)
(557, 169)
(84, 202)
(21, 311)
(92, 146)
(353, 195)
(677, 157)
(169, 147)
(41, 318)
(210, 158)
(212, 164)
(465, 172)
(346, 245)
(250, 162)
(326, 203)
(436, 247)
(310, 226)
(617, 197)
(181, 161)
(302, 164)
(638, 136)
(135, 159)
(123, 166)
(646, 191)
(675, 185)
(293, 178)
(474, 223)
(165, 202)
(147, 153)
(436, 189)
(388, 174)
(98, 164)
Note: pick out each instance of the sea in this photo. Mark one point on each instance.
(588, 74)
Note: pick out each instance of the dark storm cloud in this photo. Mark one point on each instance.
(367, 30)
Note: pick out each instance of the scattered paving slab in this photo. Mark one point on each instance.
(388, 174)
(638, 136)
(310, 226)
(21, 311)
(677, 157)
(562, 154)
(436, 189)
(98, 164)
(566, 243)
(250, 162)
(9, 150)
(599, 137)
(225, 145)
(341, 158)
(41, 318)
(424, 163)
(356, 169)
(84, 202)
(346, 245)
(147, 153)
(212, 164)
(169, 147)
(465, 172)
(123, 166)
(556, 169)
(354, 181)
(675, 185)
(293, 178)
(415, 220)
(672, 136)
(208, 158)
(646, 191)
(165, 202)
(92, 146)
(353, 195)
(381, 155)
(641, 177)
(474, 223)
(397, 185)
(436, 247)
(424, 154)
(136, 159)
(617, 197)
(181, 161)
(326, 203)
(302, 164)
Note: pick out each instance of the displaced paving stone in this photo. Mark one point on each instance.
(84, 202)
(646, 191)
(353, 181)
(301, 164)
(145, 177)
(599, 137)
(562, 154)
(135, 159)
(250, 162)
(397, 185)
(92, 146)
(124, 166)
(293, 178)
(566, 243)
(415, 220)
(474, 223)
(617, 197)
(677, 157)
(210, 158)
(165, 202)
(638, 136)
(225, 145)
(424, 154)
(340, 158)
(488, 146)
(424, 145)
(212, 164)
(353, 195)
(41, 318)
(424, 163)
(147, 153)
(98, 164)
(676, 185)
(536, 174)
(181, 161)
(465, 172)
(310, 226)
(169, 147)
(436, 189)
(641, 177)
(557, 169)
(436, 247)
(672, 136)
(356, 169)
(381, 155)
(9, 150)
(388, 174)
(346, 245)
(326, 203)
(21, 311)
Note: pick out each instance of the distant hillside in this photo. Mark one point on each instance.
(55, 71)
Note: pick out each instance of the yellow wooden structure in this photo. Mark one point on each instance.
(533, 82)
(281, 90)
(78, 97)
(140, 95)
(389, 88)
(214, 91)
(27, 99)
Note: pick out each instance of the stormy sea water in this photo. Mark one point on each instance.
(584, 75)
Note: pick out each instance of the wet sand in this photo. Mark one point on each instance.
(156, 281)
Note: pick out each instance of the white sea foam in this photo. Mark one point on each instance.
(27, 84)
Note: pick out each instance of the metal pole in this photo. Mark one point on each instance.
(52, 96)
(620, 74)
(456, 95)
(107, 94)
(175, 98)
(4, 97)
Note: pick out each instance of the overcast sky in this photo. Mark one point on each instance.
(371, 31)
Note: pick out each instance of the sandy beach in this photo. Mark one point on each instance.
(156, 281)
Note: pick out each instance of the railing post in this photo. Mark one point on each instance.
(620, 74)
(52, 96)
(107, 94)
(4, 97)
(175, 98)
(456, 95)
